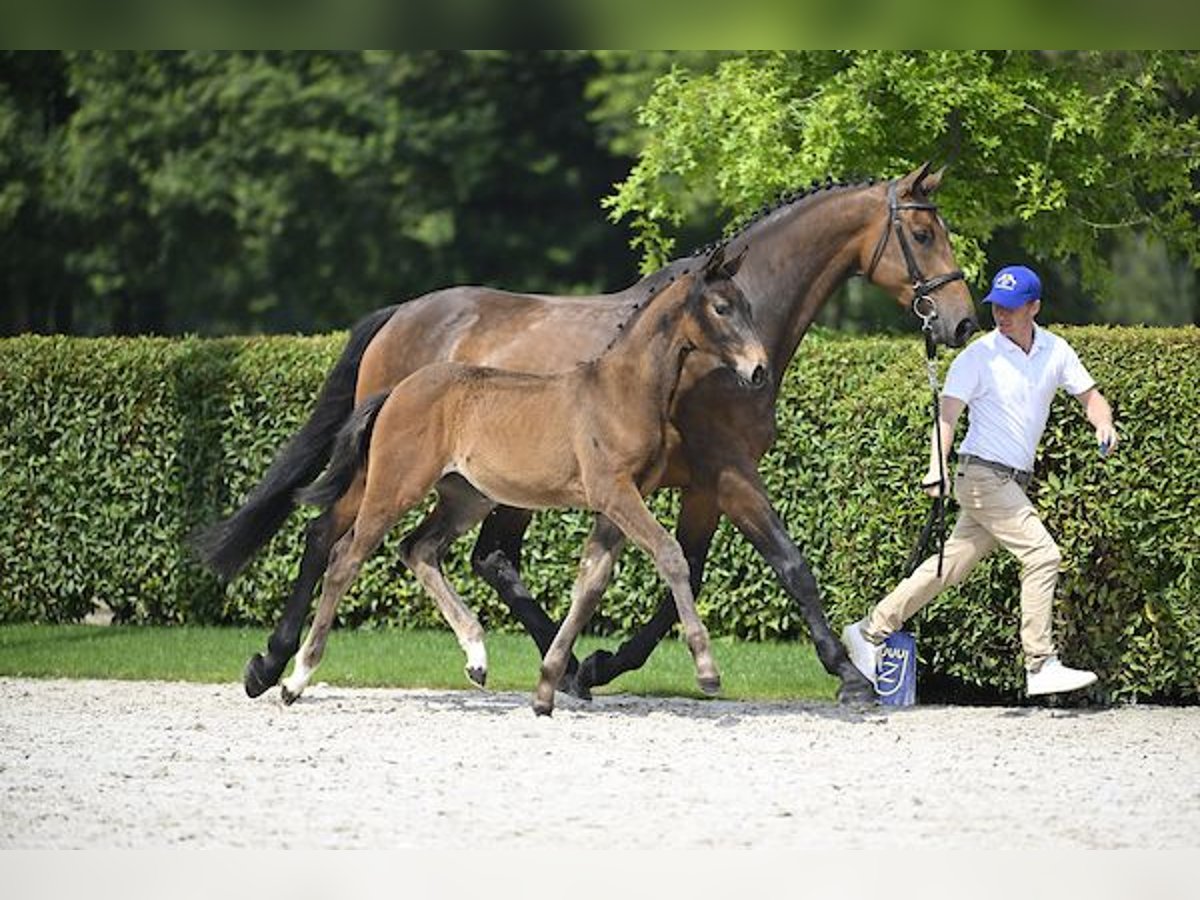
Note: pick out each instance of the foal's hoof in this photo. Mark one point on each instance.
(857, 693)
(256, 679)
(289, 697)
(542, 708)
(477, 674)
(711, 685)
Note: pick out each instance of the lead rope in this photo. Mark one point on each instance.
(935, 522)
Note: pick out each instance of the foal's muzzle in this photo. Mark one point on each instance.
(753, 375)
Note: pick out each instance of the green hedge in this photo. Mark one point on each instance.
(112, 450)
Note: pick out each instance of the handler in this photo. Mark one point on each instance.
(1008, 379)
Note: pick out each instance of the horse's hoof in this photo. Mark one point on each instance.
(592, 672)
(542, 708)
(477, 674)
(288, 696)
(857, 693)
(255, 678)
(575, 685)
(710, 686)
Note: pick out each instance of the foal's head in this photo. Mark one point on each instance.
(719, 320)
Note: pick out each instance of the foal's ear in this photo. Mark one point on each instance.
(731, 267)
(712, 265)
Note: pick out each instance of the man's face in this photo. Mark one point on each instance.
(1014, 323)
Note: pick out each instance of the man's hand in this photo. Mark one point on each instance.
(933, 487)
(1106, 437)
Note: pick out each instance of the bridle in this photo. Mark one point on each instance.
(923, 304)
(925, 309)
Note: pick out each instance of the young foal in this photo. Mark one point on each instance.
(589, 438)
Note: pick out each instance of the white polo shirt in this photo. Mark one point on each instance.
(1008, 393)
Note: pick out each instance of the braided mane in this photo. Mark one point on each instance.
(785, 198)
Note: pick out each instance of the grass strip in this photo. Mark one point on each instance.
(393, 658)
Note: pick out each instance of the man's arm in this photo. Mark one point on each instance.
(951, 409)
(1099, 413)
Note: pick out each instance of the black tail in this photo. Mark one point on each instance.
(227, 546)
(349, 453)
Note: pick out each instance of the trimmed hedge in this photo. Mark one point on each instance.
(112, 450)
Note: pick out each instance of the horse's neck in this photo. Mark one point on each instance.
(798, 257)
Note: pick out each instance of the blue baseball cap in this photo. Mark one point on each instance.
(1014, 286)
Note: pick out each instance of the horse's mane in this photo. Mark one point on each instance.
(658, 281)
(786, 198)
(638, 307)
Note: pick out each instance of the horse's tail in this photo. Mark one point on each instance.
(227, 546)
(349, 454)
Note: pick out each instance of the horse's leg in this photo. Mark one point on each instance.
(375, 503)
(262, 672)
(497, 560)
(744, 500)
(459, 509)
(351, 549)
(698, 517)
(625, 507)
(600, 553)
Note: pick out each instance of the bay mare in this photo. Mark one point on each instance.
(796, 255)
(592, 437)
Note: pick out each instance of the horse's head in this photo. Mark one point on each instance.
(720, 321)
(908, 254)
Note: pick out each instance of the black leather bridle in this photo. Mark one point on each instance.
(923, 304)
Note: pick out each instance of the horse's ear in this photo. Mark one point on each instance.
(932, 181)
(917, 181)
(731, 267)
(716, 259)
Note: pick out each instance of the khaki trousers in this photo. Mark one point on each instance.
(994, 510)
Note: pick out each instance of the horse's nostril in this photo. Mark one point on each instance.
(966, 328)
(759, 376)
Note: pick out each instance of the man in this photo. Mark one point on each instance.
(1008, 379)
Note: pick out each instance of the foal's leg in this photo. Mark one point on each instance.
(600, 554)
(744, 499)
(264, 670)
(389, 493)
(698, 518)
(339, 574)
(497, 560)
(460, 508)
(628, 512)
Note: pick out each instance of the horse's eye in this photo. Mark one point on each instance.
(721, 309)
(922, 236)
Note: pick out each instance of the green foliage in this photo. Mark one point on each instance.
(113, 450)
(257, 191)
(1068, 148)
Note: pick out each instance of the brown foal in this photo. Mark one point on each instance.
(593, 437)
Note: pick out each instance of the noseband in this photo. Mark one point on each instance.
(923, 304)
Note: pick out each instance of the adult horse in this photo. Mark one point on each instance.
(796, 254)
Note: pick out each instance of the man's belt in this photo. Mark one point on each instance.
(1020, 476)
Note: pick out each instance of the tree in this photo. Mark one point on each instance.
(218, 192)
(1065, 150)
(35, 289)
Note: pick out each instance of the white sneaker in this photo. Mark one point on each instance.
(863, 653)
(1053, 678)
